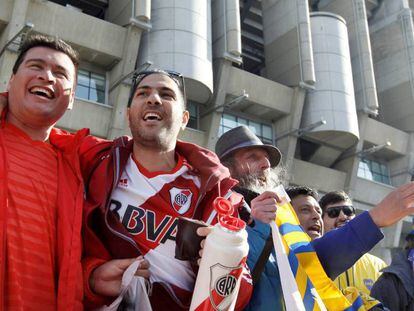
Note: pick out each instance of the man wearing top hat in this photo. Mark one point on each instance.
(255, 166)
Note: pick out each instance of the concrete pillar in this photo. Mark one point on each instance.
(350, 161)
(287, 144)
(402, 169)
(17, 22)
(355, 14)
(211, 122)
(407, 26)
(391, 242)
(288, 42)
(119, 95)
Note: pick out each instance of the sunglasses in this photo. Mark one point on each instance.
(334, 212)
(177, 77)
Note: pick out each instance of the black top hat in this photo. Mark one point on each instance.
(242, 137)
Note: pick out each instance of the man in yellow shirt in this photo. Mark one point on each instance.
(337, 210)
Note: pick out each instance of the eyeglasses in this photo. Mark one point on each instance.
(334, 212)
(175, 76)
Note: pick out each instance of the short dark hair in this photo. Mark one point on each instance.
(333, 197)
(38, 40)
(175, 76)
(295, 191)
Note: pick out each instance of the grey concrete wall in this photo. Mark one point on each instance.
(6, 7)
(87, 114)
(318, 177)
(193, 136)
(98, 41)
(392, 38)
(270, 95)
(378, 133)
(375, 194)
(119, 12)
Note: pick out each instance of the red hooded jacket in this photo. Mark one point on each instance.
(105, 237)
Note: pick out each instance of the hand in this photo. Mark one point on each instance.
(394, 207)
(264, 206)
(203, 231)
(107, 278)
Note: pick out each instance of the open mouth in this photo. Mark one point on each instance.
(315, 229)
(152, 116)
(42, 92)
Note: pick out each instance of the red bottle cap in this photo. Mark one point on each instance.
(232, 223)
(223, 206)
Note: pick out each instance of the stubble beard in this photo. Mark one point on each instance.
(162, 139)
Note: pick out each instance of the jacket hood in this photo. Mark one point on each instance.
(206, 164)
(401, 267)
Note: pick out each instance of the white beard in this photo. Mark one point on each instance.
(264, 182)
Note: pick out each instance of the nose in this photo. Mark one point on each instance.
(342, 216)
(264, 163)
(154, 98)
(316, 215)
(46, 75)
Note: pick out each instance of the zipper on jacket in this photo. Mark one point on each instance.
(202, 194)
(107, 208)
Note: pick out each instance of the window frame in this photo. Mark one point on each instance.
(93, 71)
(197, 107)
(369, 161)
(248, 119)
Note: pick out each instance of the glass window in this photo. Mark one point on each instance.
(91, 86)
(229, 122)
(263, 131)
(255, 127)
(374, 170)
(192, 108)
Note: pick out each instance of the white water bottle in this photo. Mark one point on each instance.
(221, 267)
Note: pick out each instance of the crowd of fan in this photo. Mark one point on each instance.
(78, 210)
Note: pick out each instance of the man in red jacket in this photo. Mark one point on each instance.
(41, 192)
(139, 188)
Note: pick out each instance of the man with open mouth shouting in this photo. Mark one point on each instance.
(138, 190)
(41, 194)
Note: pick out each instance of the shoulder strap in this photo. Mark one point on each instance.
(263, 258)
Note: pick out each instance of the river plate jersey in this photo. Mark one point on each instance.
(148, 204)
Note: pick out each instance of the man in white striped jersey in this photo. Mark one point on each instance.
(151, 181)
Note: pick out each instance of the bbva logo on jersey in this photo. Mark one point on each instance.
(181, 199)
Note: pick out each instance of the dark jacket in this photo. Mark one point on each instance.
(106, 238)
(395, 287)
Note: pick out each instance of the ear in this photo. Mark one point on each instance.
(186, 117)
(71, 99)
(127, 116)
(10, 81)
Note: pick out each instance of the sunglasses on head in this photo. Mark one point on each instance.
(334, 212)
(177, 77)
